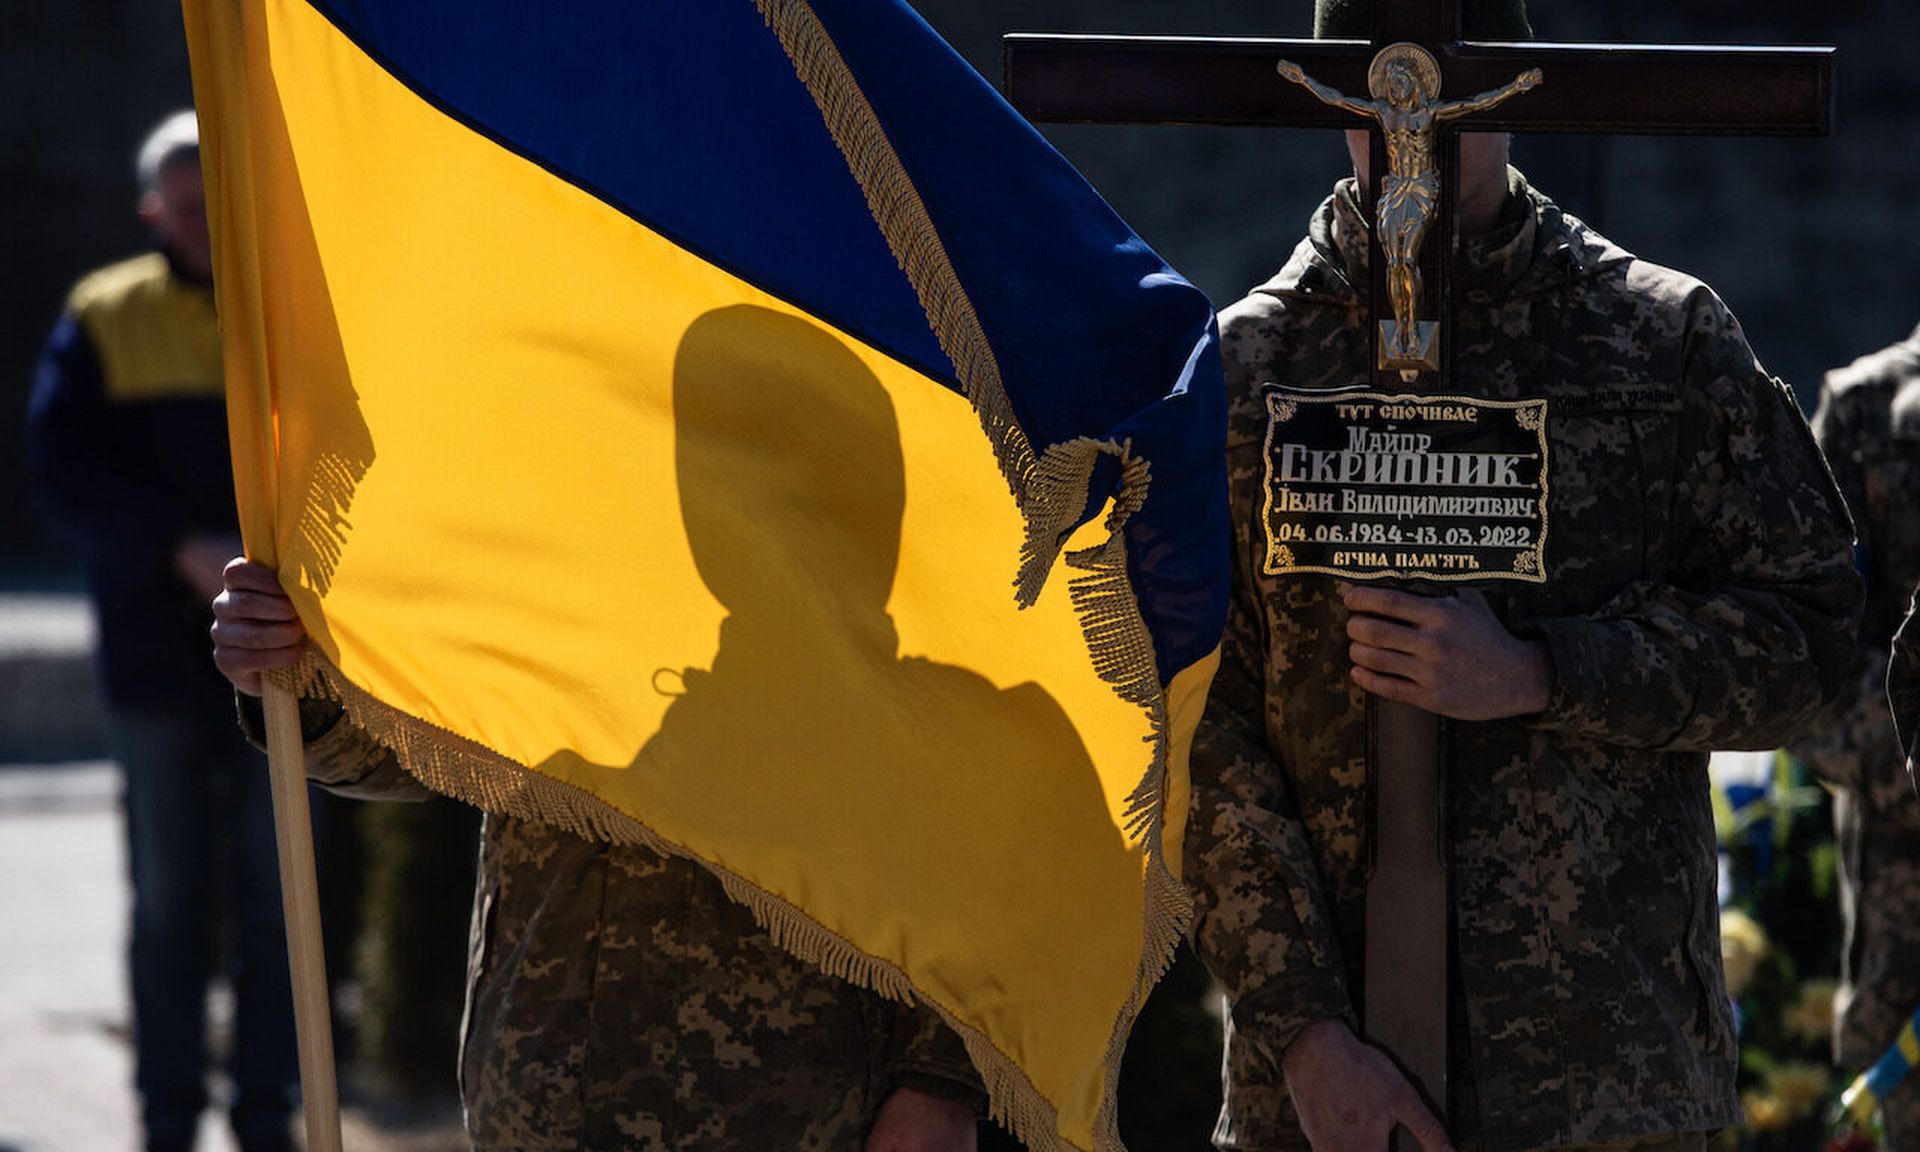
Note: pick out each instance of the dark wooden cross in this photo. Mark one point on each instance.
(1589, 88)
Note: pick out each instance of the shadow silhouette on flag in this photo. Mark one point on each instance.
(792, 489)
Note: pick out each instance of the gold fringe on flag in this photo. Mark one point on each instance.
(1052, 493)
(472, 773)
(1051, 490)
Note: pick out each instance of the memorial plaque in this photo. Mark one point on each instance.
(1375, 485)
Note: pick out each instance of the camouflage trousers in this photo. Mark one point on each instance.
(622, 1001)
(1279, 1127)
(1901, 1112)
(1659, 1142)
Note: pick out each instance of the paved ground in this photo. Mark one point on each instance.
(49, 709)
(65, 1064)
(64, 1068)
(42, 620)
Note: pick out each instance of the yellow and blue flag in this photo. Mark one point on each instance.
(1870, 1089)
(668, 419)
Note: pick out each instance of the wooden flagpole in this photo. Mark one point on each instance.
(300, 897)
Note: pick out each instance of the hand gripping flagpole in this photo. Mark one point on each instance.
(300, 896)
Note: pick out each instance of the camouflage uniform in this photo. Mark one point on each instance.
(618, 999)
(1700, 596)
(1869, 425)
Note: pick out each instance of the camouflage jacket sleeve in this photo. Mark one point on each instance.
(1263, 925)
(926, 1055)
(1749, 631)
(1857, 729)
(340, 757)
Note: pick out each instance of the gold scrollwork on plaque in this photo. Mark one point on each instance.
(1366, 485)
(1404, 80)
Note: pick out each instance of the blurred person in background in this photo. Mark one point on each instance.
(1868, 424)
(127, 445)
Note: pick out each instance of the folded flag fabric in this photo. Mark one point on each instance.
(667, 417)
(1871, 1088)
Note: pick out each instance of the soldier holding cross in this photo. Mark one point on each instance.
(1681, 581)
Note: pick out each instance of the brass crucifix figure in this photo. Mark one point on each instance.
(1405, 82)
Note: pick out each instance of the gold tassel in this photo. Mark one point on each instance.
(323, 523)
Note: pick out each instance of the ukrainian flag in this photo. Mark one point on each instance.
(1869, 1091)
(668, 418)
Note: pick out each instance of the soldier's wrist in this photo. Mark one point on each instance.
(1313, 1041)
(970, 1094)
(1534, 685)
